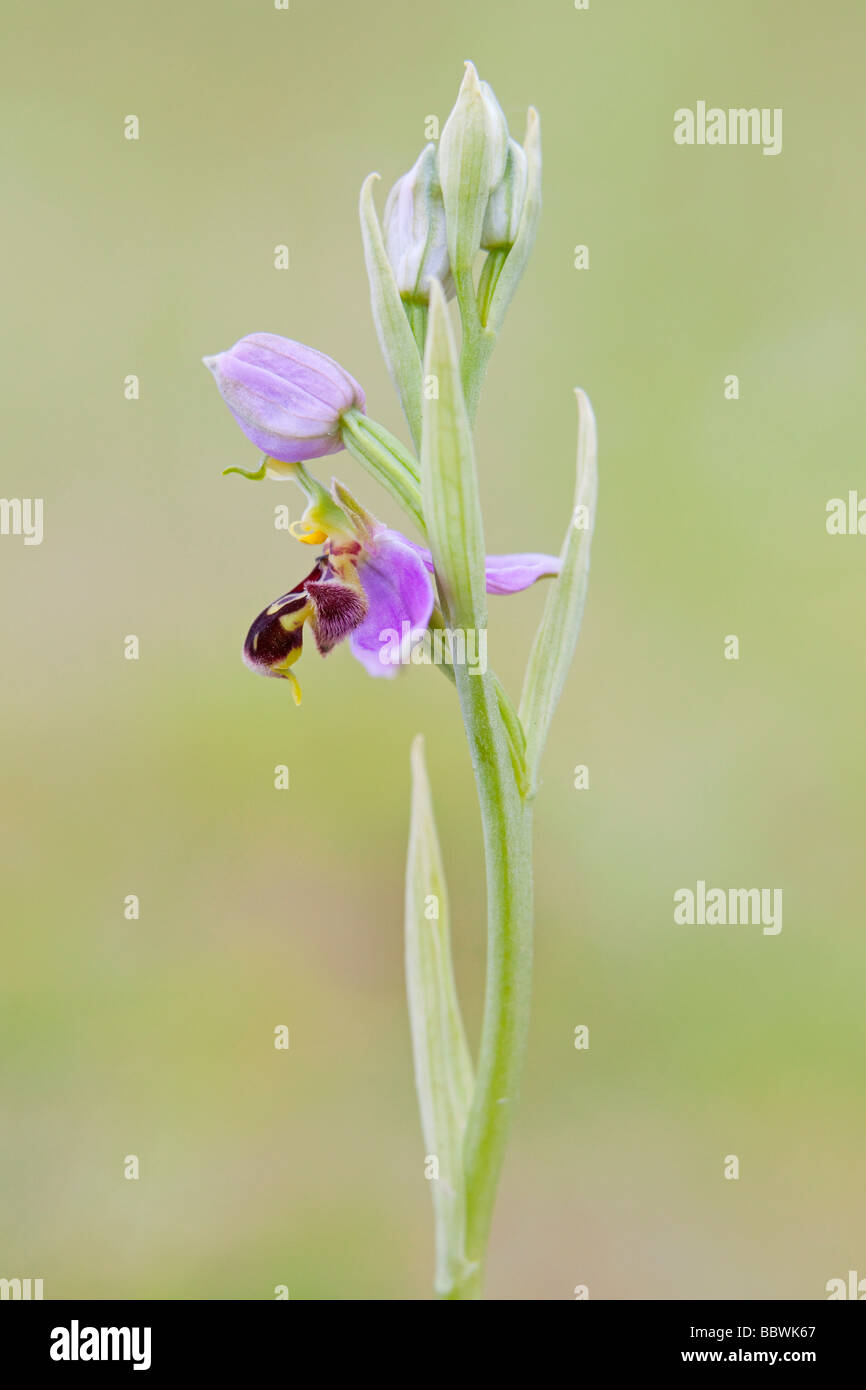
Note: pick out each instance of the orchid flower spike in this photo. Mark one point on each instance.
(369, 584)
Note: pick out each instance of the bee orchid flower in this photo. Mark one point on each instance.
(369, 583)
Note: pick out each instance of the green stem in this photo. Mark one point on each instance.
(489, 279)
(508, 860)
(474, 367)
(416, 313)
(478, 343)
(507, 829)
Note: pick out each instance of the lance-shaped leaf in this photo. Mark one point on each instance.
(389, 315)
(449, 483)
(515, 262)
(557, 635)
(443, 1069)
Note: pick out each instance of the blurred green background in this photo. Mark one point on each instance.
(261, 907)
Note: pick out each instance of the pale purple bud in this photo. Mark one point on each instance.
(286, 397)
(414, 229)
(502, 217)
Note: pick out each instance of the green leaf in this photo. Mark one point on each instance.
(557, 634)
(443, 1068)
(389, 314)
(449, 484)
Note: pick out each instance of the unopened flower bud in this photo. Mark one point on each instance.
(472, 153)
(414, 229)
(502, 218)
(286, 397)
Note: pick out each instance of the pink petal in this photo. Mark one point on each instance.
(508, 574)
(505, 574)
(400, 598)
